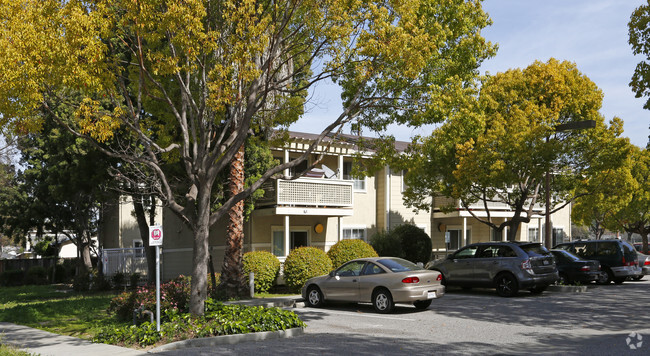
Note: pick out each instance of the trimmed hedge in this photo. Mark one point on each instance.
(265, 266)
(347, 250)
(304, 263)
(12, 277)
(36, 275)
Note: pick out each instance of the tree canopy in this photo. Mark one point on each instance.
(186, 82)
(498, 146)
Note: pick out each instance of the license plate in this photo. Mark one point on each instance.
(432, 295)
(546, 262)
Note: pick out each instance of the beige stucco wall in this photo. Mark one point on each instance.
(119, 227)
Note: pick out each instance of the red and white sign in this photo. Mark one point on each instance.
(155, 235)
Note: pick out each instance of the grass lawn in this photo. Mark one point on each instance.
(56, 308)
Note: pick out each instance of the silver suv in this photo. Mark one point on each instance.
(508, 266)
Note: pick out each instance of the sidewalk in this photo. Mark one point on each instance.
(49, 344)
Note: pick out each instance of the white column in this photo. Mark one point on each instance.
(339, 171)
(340, 229)
(286, 159)
(504, 233)
(387, 197)
(464, 242)
(539, 230)
(287, 236)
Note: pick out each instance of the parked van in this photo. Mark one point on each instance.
(618, 259)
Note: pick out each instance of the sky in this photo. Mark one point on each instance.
(591, 33)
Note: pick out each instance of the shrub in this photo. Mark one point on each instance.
(265, 266)
(387, 244)
(100, 282)
(304, 263)
(12, 277)
(118, 280)
(60, 274)
(134, 279)
(416, 244)
(347, 250)
(174, 294)
(36, 275)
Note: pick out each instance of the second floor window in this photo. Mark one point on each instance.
(354, 233)
(358, 184)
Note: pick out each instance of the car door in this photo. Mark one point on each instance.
(371, 276)
(485, 263)
(459, 267)
(343, 285)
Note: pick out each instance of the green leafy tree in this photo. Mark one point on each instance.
(499, 147)
(187, 81)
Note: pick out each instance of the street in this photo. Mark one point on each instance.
(605, 320)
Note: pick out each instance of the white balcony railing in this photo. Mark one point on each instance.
(308, 192)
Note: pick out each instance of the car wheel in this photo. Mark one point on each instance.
(605, 277)
(314, 297)
(422, 304)
(637, 278)
(507, 285)
(382, 300)
(538, 290)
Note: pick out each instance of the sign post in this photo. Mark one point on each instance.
(156, 239)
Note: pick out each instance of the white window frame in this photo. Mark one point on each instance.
(537, 232)
(460, 237)
(354, 227)
(135, 245)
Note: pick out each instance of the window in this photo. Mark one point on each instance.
(139, 246)
(372, 268)
(301, 167)
(496, 235)
(468, 252)
(350, 269)
(296, 239)
(454, 239)
(404, 185)
(533, 234)
(358, 184)
(354, 233)
(558, 236)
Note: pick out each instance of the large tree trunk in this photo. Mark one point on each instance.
(199, 285)
(232, 277)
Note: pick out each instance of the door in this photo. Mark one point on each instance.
(344, 285)
(460, 265)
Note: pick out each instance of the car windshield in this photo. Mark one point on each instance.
(399, 265)
(535, 250)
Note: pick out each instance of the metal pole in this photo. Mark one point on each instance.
(548, 241)
(158, 288)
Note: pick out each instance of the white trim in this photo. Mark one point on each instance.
(355, 227)
(287, 210)
(261, 247)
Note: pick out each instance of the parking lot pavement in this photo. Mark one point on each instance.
(605, 320)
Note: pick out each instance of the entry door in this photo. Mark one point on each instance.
(299, 239)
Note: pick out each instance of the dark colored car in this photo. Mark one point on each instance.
(506, 266)
(572, 268)
(618, 259)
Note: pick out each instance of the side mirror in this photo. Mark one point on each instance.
(333, 273)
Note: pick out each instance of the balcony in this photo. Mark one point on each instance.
(497, 209)
(308, 196)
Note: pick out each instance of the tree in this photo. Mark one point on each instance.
(634, 216)
(499, 147)
(62, 183)
(190, 80)
(639, 36)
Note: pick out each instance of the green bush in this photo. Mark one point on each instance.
(304, 263)
(416, 244)
(265, 266)
(36, 275)
(60, 274)
(387, 244)
(174, 294)
(118, 280)
(347, 250)
(81, 282)
(134, 280)
(219, 319)
(12, 277)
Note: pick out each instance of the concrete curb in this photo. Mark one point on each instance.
(229, 339)
(567, 289)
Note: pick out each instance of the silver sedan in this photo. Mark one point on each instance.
(382, 281)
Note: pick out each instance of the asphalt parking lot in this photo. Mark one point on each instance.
(604, 320)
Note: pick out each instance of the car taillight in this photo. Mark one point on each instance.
(411, 280)
(647, 262)
(584, 268)
(526, 266)
(439, 278)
